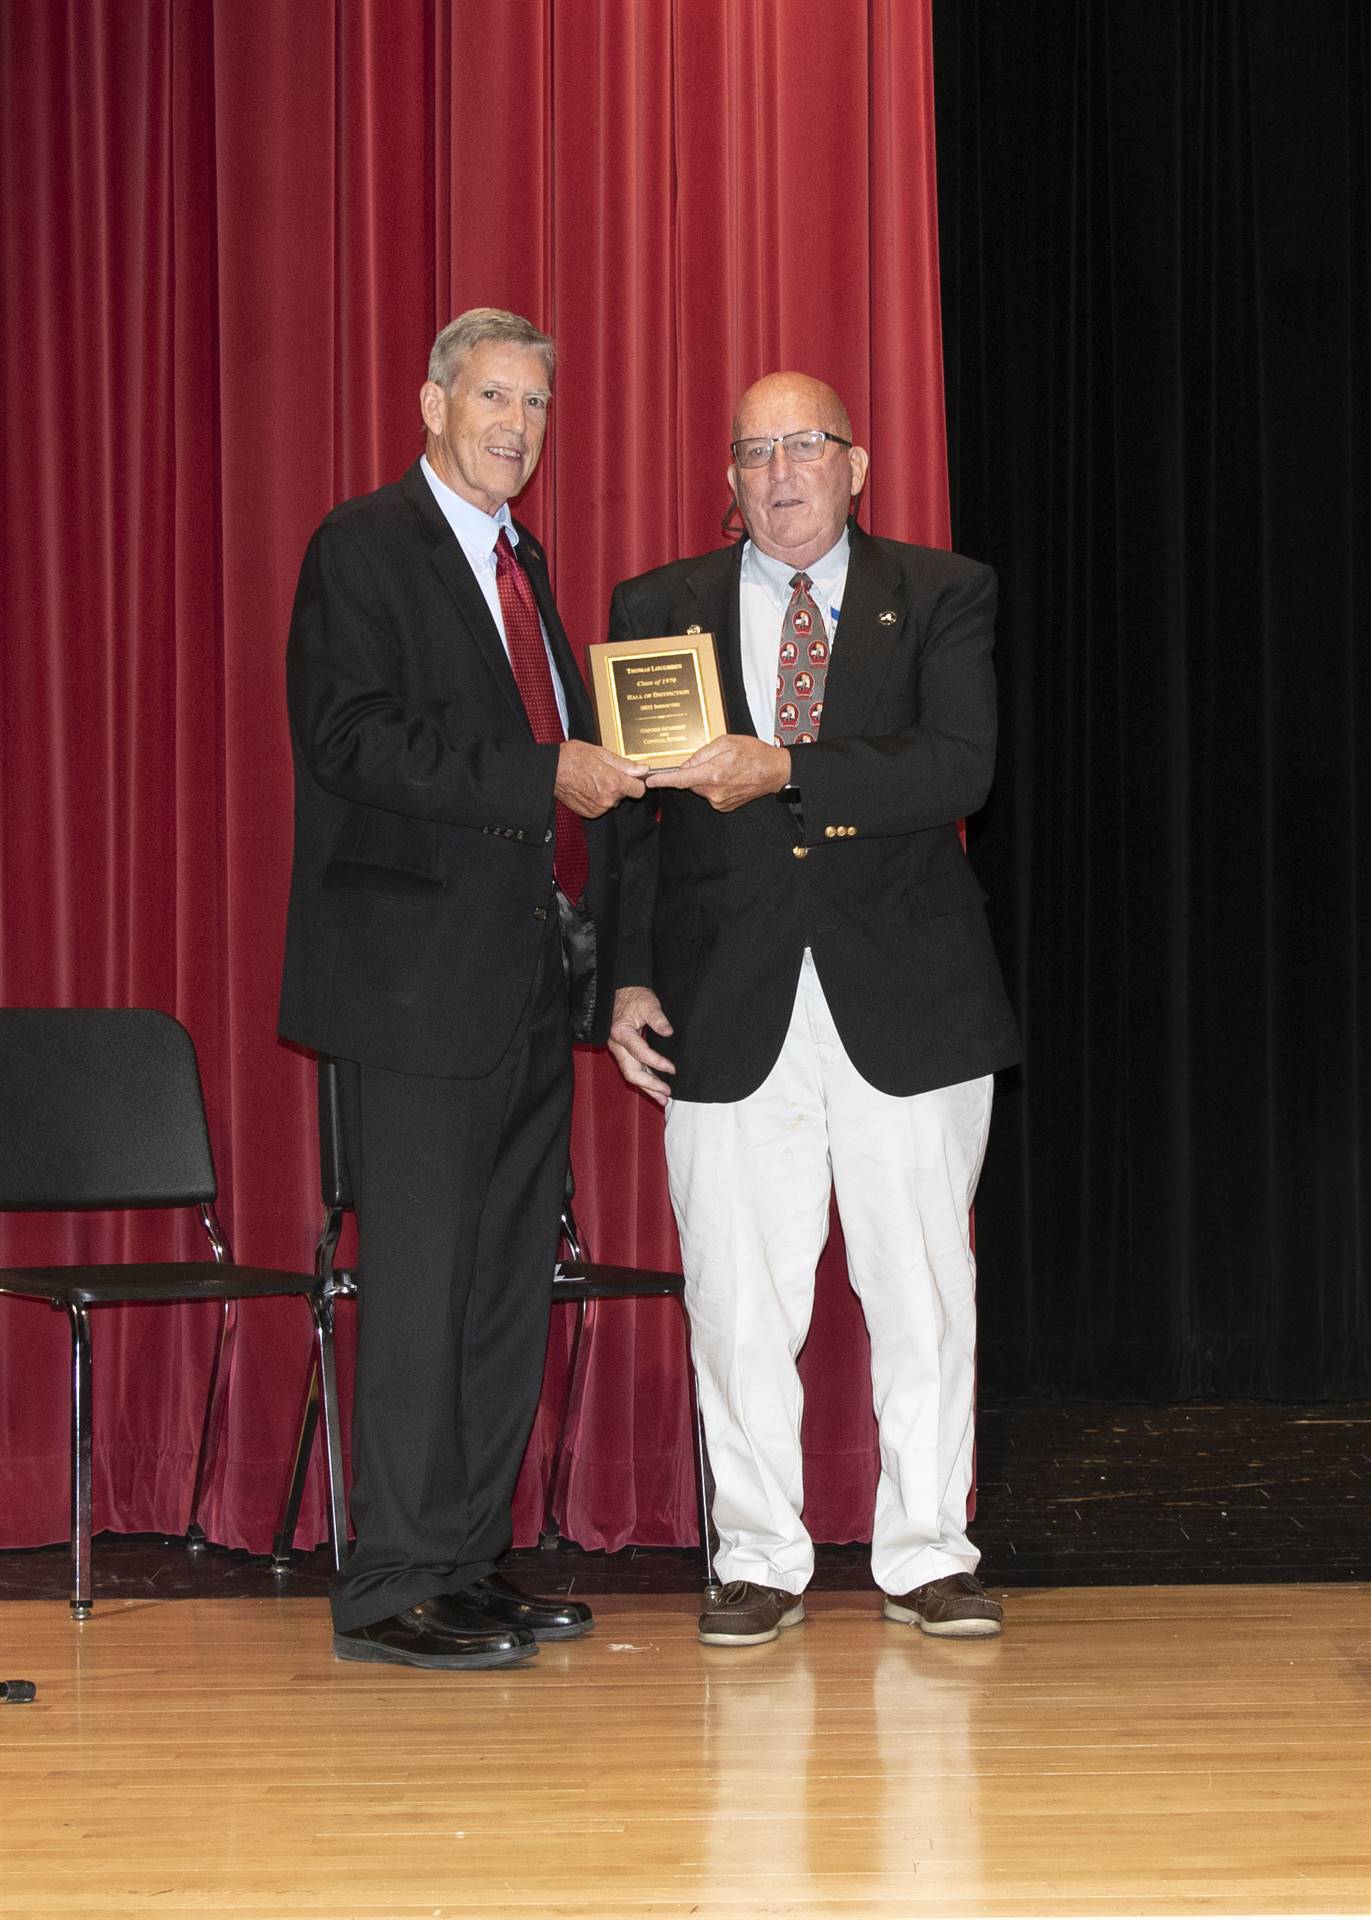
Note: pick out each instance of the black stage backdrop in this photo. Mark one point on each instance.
(1155, 251)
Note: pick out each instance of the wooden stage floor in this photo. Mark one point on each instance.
(1159, 1750)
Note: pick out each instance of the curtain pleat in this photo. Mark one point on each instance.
(230, 233)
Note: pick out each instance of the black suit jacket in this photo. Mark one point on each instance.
(866, 868)
(422, 879)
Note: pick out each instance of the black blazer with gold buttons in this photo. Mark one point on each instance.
(422, 878)
(865, 867)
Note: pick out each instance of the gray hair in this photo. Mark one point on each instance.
(472, 329)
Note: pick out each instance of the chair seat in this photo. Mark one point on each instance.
(155, 1281)
(592, 1280)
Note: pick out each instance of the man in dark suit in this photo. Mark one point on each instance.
(451, 930)
(812, 996)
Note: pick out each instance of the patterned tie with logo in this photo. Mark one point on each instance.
(528, 657)
(801, 669)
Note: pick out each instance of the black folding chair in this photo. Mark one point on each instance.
(103, 1109)
(577, 1281)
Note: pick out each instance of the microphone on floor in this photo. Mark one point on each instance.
(14, 1692)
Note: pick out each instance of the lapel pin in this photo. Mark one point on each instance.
(887, 619)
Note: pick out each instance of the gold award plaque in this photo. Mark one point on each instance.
(657, 700)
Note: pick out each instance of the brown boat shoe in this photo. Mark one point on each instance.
(957, 1606)
(745, 1614)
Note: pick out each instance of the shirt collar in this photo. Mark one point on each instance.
(829, 572)
(477, 530)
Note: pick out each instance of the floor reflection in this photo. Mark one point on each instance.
(843, 1756)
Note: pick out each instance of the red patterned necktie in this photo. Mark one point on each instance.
(801, 669)
(528, 657)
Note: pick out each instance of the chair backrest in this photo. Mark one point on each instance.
(335, 1181)
(100, 1107)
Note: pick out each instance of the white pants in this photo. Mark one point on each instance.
(750, 1182)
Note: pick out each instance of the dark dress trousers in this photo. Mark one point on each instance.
(423, 950)
(864, 867)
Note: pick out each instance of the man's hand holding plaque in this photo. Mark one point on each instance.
(658, 701)
(729, 771)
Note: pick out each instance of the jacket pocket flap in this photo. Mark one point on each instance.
(368, 876)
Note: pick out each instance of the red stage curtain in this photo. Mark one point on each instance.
(230, 231)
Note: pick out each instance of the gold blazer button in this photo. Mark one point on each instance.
(800, 853)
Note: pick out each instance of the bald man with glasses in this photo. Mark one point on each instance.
(811, 995)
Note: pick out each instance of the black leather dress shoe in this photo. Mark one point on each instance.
(500, 1599)
(452, 1634)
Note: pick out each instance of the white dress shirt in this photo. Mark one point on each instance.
(477, 533)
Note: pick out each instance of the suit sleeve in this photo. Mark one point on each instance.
(937, 770)
(364, 739)
(638, 846)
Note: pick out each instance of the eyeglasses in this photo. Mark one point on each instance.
(805, 445)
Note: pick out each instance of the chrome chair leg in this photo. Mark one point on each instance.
(704, 1483)
(216, 1402)
(550, 1537)
(332, 1284)
(321, 1399)
(81, 1597)
(290, 1512)
(326, 1369)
